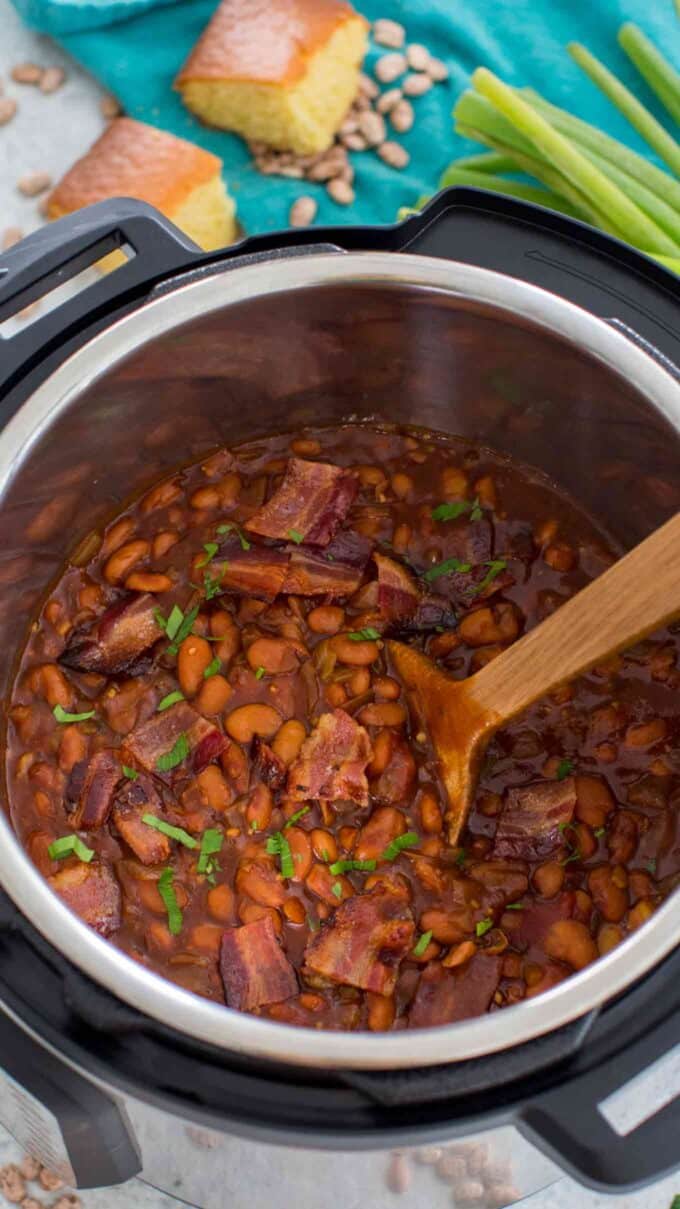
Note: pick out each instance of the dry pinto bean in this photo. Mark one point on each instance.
(326, 619)
(288, 740)
(246, 721)
(124, 559)
(356, 654)
(220, 900)
(388, 713)
(273, 654)
(215, 791)
(259, 808)
(213, 695)
(381, 1012)
(569, 940)
(324, 845)
(148, 581)
(301, 851)
(194, 656)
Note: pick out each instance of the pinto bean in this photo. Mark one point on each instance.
(489, 625)
(160, 496)
(326, 619)
(261, 883)
(288, 740)
(246, 721)
(640, 913)
(384, 825)
(148, 581)
(401, 538)
(560, 556)
(570, 941)
(431, 817)
(359, 682)
(149, 896)
(485, 491)
(402, 485)
(594, 800)
(335, 695)
(388, 713)
(120, 532)
(122, 561)
(195, 655)
(259, 808)
(622, 837)
(548, 879)
(644, 734)
(51, 683)
(608, 937)
(583, 840)
(214, 788)
(321, 881)
(447, 927)
(305, 447)
(383, 750)
(454, 482)
(460, 954)
(249, 913)
(207, 937)
(381, 1012)
(275, 655)
(294, 911)
(301, 851)
(355, 654)
(611, 900)
(72, 747)
(213, 695)
(324, 845)
(163, 542)
(220, 900)
(348, 838)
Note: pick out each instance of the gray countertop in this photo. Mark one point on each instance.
(47, 134)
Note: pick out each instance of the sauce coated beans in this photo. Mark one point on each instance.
(207, 702)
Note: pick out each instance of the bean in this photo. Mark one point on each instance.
(348, 838)
(570, 941)
(220, 900)
(389, 713)
(261, 883)
(305, 447)
(259, 808)
(275, 655)
(546, 532)
(148, 895)
(163, 542)
(288, 740)
(54, 686)
(117, 535)
(584, 840)
(643, 734)
(195, 655)
(594, 800)
(401, 538)
(640, 885)
(294, 911)
(235, 763)
(487, 625)
(229, 489)
(90, 597)
(246, 721)
(206, 498)
(485, 491)
(548, 879)
(381, 1012)
(320, 881)
(324, 846)
(356, 654)
(640, 913)
(371, 476)
(301, 851)
(443, 644)
(454, 482)
(443, 925)
(148, 581)
(123, 560)
(384, 825)
(326, 619)
(460, 954)
(207, 937)
(359, 682)
(608, 937)
(560, 556)
(249, 913)
(213, 695)
(72, 747)
(490, 805)
(160, 496)
(610, 899)
(215, 791)
(622, 837)
(430, 813)
(402, 485)
(583, 906)
(383, 750)
(335, 695)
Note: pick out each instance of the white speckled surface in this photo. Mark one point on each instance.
(48, 133)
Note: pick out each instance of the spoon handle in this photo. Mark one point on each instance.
(637, 595)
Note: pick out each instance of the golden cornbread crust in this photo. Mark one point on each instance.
(264, 41)
(131, 159)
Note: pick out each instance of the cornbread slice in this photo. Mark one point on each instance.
(281, 72)
(131, 159)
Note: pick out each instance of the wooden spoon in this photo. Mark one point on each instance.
(637, 595)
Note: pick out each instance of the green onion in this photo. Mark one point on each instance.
(212, 584)
(490, 162)
(662, 78)
(651, 866)
(167, 893)
(460, 858)
(299, 814)
(171, 699)
(422, 944)
(212, 669)
(173, 833)
(455, 175)
(636, 113)
(130, 773)
(483, 926)
(313, 924)
(259, 673)
(70, 845)
(336, 889)
(450, 512)
(211, 844)
(63, 715)
(409, 840)
(599, 831)
(232, 527)
(450, 564)
(211, 549)
(172, 623)
(172, 758)
(563, 769)
(368, 634)
(277, 845)
(348, 866)
(514, 907)
(296, 536)
(496, 565)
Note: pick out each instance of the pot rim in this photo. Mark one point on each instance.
(150, 993)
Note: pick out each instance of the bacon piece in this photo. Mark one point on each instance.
(313, 500)
(117, 639)
(102, 774)
(269, 767)
(336, 571)
(471, 542)
(135, 799)
(365, 942)
(259, 571)
(158, 736)
(255, 970)
(332, 762)
(533, 818)
(92, 891)
(395, 783)
(402, 601)
(538, 918)
(445, 996)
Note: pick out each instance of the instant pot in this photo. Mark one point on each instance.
(483, 317)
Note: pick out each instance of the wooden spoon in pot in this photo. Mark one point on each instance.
(636, 596)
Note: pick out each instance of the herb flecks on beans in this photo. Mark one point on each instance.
(219, 770)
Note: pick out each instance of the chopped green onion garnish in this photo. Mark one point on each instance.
(245, 544)
(277, 845)
(259, 673)
(409, 840)
(483, 926)
(476, 514)
(63, 715)
(294, 817)
(336, 889)
(450, 512)
(313, 924)
(171, 626)
(460, 858)
(369, 634)
(563, 769)
(171, 699)
(651, 866)
(212, 668)
(212, 584)
(70, 845)
(599, 831)
(450, 564)
(211, 549)
(130, 773)
(348, 866)
(422, 944)
(167, 893)
(514, 907)
(172, 758)
(211, 844)
(174, 833)
(295, 536)
(495, 565)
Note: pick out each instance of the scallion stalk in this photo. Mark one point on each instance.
(661, 76)
(487, 161)
(455, 175)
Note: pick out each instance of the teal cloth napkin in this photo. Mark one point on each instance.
(136, 47)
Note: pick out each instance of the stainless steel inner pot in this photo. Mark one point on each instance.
(323, 338)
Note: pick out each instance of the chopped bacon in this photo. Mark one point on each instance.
(471, 542)
(402, 601)
(332, 762)
(259, 571)
(538, 917)
(313, 500)
(135, 799)
(255, 970)
(117, 639)
(445, 996)
(533, 818)
(92, 891)
(396, 781)
(158, 737)
(364, 943)
(334, 572)
(268, 767)
(102, 774)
